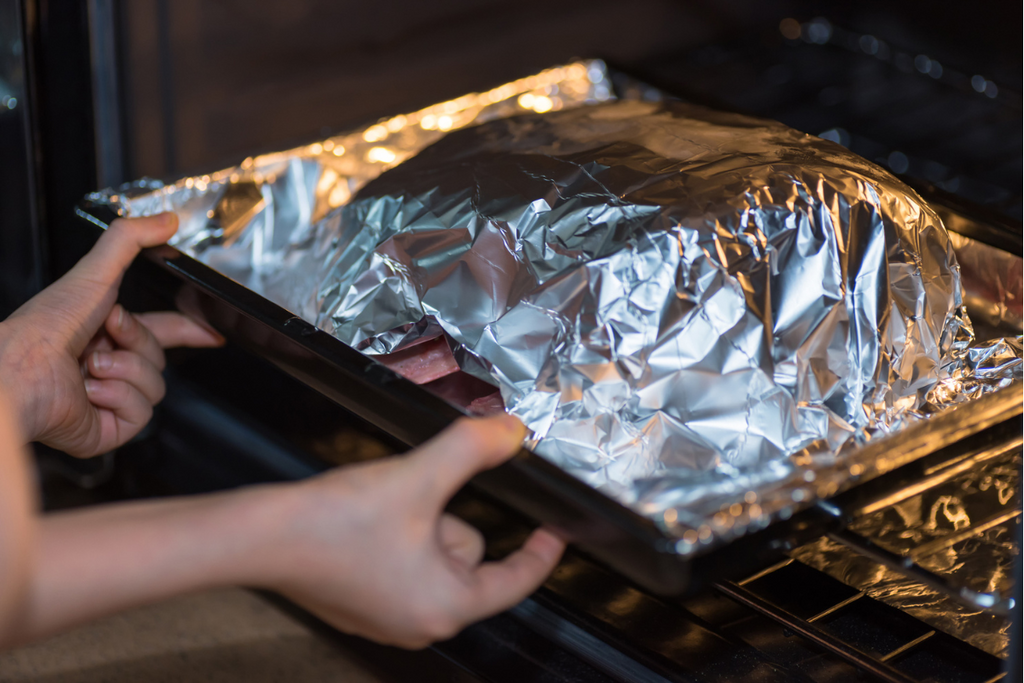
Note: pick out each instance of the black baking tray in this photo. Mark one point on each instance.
(613, 534)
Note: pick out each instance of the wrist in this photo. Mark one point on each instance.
(258, 529)
(293, 525)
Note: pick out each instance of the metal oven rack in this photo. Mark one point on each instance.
(813, 627)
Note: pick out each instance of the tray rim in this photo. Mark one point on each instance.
(606, 522)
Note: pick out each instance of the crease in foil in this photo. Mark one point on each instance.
(704, 315)
(963, 530)
(255, 222)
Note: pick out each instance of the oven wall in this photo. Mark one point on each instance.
(116, 90)
(206, 83)
(21, 246)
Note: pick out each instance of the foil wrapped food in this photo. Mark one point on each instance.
(671, 299)
(702, 314)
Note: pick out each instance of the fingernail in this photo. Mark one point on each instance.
(101, 360)
(513, 425)
(548, 545)
(120, 317)
(91, 386)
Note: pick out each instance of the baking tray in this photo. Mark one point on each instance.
(631, 544)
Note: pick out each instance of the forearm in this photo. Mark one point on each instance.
(95, 562)
(16, 523)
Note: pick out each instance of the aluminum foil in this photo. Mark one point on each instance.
(255, 222)
(702, 314)
(676, 301)
(964, 530)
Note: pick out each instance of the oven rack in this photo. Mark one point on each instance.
(903, 650)
(909, 565)
(785, 622)
(881, 666)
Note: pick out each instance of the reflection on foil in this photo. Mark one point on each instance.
(964, 529)
(702, 314)
(977, 370)
(253, 221)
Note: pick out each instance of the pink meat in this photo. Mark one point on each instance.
(487, 405)
(431, 364)
(423, 362)
(465, 390)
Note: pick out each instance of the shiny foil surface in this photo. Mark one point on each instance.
(255, 222)
(684, 306)
(964, 530)
(704, 315)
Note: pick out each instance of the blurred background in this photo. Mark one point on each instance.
(98, 92)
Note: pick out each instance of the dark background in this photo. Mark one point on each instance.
(111, 91)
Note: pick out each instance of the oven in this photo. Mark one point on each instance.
(111, 92)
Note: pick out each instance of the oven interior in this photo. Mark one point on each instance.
(899, 87)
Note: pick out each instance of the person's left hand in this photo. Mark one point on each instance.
(370, 549)
(82, 372)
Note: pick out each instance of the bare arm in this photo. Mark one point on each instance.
(93, 562)
(16, 524)
(368, 548)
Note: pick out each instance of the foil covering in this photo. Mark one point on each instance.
(676, 301)
(252, 222)
(702, 314)
(964, 530)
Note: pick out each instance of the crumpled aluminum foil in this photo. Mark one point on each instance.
(963, 530)
(253, 222)
(700, 313)
(977, 370)
(674, 300)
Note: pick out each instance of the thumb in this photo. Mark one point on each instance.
(445, 463)
(84, 296)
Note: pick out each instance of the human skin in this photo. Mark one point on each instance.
(368, 548)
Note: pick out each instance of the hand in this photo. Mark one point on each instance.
(369, 548)
(83, 373)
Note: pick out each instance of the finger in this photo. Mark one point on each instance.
(131, 335)
(174, 329)
(124, 411)
(460, 542)
(445, 463)
(85, 294)
(131, 368)
(100, 342)
(497, 586)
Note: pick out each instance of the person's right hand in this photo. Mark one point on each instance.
(370, 549)
(81, 372)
